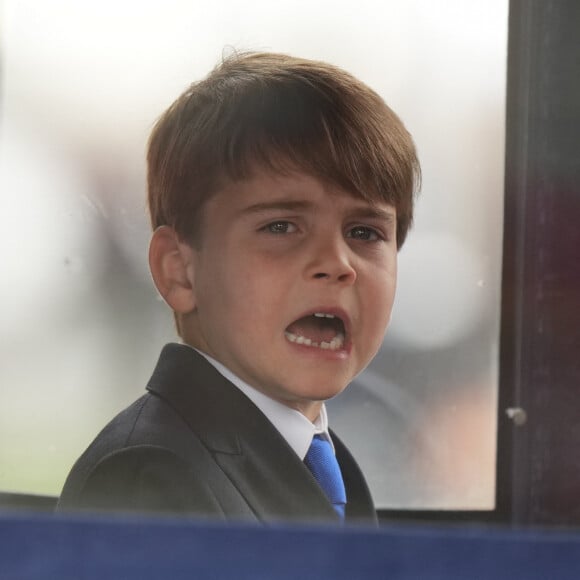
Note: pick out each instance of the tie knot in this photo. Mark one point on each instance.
(323, 465)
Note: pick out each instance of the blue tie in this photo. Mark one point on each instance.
(322, 463)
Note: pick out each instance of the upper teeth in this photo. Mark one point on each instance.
(323, 315)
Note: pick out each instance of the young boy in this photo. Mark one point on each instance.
(280, 190)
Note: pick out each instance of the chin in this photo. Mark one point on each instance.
(318, 394)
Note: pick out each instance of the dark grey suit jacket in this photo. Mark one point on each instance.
(196, 445)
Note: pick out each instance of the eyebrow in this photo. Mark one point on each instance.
(276, 206)
(375, 213)
(369, 212)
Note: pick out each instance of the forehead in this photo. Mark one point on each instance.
(264, 190)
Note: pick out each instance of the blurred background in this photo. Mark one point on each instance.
(81, 325)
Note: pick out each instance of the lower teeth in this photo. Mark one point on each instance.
(336, 343)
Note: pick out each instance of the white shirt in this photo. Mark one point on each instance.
(296, 429)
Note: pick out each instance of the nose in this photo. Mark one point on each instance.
(331, 260)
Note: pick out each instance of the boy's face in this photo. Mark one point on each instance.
(293, 283)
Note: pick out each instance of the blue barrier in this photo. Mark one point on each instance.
(83, 548)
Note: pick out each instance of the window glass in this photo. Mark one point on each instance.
(81, 326)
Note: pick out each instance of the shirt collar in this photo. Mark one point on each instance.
(294, 427)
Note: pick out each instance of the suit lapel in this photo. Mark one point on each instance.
(248, 448)
(275, 483)
(360, 507)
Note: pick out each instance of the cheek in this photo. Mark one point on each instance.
(240, 294)
(380, 316)
(216, 288)
(382, 299)
(389, 286)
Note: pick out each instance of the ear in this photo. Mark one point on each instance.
(172, 267)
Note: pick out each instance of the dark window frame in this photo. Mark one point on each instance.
(538, 459)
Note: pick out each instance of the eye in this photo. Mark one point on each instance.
(280, 227)
(364, 234)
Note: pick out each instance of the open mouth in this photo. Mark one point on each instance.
(318, 330)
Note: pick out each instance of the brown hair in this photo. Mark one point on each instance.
(280, 113)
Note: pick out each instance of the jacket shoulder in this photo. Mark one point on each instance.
(145, 459)
(139, 478)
